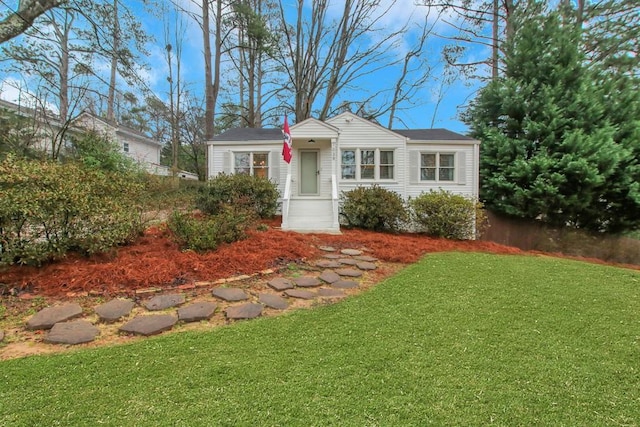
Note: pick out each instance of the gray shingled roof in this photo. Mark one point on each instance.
(252, 134)
(432, 135)
(249, 134)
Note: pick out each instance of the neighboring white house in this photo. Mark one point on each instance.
(341, 154)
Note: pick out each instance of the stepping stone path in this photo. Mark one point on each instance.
(162, 302)
(149, 325)
(249, 310)
(115, 309)
(273, 301)
(330, 280)
(197, 311)
(46, 318)
(230, 294)
(75, 332)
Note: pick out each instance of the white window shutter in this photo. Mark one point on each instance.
(227, 157)
(414, 167)
(461, 160)
(274, 166)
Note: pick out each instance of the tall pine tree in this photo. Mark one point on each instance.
(559, 138)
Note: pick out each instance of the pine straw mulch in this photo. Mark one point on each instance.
(155, 260)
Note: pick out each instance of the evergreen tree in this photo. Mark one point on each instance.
(559, 138)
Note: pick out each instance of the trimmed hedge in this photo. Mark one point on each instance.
(254, 193)
(443, 214)
(48, 209)
(373, 208)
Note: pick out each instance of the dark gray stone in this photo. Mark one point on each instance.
(197, 311)
(366, 265)
(76, 332)
(352, 252)
(345, 284)
(329, 276)
(348, 261)
(349, 272)
(366, 258)
(331, 293)
(162, 302)
(47, 317)
(307, 282)
(249, 310)
(273, 301)
(280, 284)
(149, 325)
(114, 309)
(328, 264)
(327, 248)
(300, 293)
(230, 294)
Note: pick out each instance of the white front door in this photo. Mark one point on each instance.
(309, 172)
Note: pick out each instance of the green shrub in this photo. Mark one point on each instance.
(48, 209)
(257, 194)
(97, 151)
(208, 232)
(443, 214)
(373, 208)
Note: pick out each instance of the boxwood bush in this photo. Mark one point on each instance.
(373, 208)
(257, 194)
(48, 209)
(444, 214)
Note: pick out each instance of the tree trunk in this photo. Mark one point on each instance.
(28, 10)
(209, 130)
(114, 63)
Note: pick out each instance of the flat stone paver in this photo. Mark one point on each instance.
(332, 256)
(47, 317)
(366, 265)
(197, 311)
(162, 302)
(300, 293)
(366, 258)
(249, 310)
(328, 264)
(348, 261)
(352, 252)
(331, 293)
(280, 284)
(345, 284)
(327, 248)
(75, 332)
(349, 272)
(114, 309)
(230, 294)
(273, 301)
(329, 276)
(307, 282)
(149, 325)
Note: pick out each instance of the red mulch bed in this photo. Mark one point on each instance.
(155, 260)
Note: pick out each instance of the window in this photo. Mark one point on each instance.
(125, 147)
(256, 164)
(437, 167)
(367, 164)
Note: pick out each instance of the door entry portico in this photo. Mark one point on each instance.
(309, 173)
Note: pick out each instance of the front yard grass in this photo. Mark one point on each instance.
(456, 339)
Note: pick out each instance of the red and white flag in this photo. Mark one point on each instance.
(286, 145)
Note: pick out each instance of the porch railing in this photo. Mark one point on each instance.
(335, 202)
(286, 197)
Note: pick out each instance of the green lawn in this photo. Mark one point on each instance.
(457, 339)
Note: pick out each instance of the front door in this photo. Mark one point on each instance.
(309, 172)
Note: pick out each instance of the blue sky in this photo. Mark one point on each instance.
(420, 115)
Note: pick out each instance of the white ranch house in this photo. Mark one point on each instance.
(343, 153)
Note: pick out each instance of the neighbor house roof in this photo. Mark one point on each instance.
(432, 135)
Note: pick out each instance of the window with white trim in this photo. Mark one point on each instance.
(250, 163)
(437, 167)
(367, 164)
